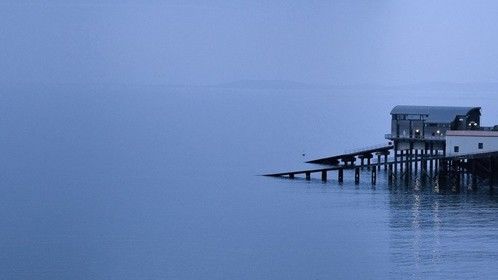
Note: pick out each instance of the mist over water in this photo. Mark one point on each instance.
(106, 176)
(197, 43)
(114, 182)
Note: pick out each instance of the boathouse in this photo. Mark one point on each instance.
(441, 145)
(424, 127)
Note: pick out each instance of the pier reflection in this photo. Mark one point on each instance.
(429, 228)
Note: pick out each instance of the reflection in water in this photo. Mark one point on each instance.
(428, 229)
(436, 251)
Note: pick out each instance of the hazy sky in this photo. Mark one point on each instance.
(208, 42)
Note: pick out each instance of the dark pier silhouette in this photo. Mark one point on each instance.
(444, 146)
(453, 171)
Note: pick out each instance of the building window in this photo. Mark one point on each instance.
(480, 146)
(456, 149)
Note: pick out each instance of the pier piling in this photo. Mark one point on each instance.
(412, 161)
(357, 175)
(390, 174)
(340, 175)
(374, 176)
(378, 162)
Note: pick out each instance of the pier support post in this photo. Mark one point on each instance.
(454, 175)
(416, 162)
(374, 176)
(431, 161)
(395, 152)
(401, 162)
(424, 162)
(467, 179)
(491, 173)
(368, 162)
(356, 175)
(390, 174)
(308, 176)
(340, 175)
(408, 162)
(395, 161)
(474, 175)
(378, 162)
(324, 175)
(385, 161)
(291, 175)
(444, 170)
(426, 154)
(436, 165)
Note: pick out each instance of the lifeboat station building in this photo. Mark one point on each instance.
(424, 128)
(445, 140)
(440, 130)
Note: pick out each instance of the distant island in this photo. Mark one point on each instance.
(288, 84)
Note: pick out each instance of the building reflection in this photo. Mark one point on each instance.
(426, 226)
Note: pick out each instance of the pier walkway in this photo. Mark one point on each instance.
(480, 166)
(350, 156)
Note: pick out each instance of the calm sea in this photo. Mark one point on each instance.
(114, 182)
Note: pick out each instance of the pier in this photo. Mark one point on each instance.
(445, 146)
(466, 170)
(381, 151)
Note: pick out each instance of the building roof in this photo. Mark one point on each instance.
(472, 133)
(436, 114)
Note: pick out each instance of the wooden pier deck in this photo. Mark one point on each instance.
(308, 172)
(482, 166)
(350, 156)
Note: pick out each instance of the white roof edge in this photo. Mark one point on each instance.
(478, 133)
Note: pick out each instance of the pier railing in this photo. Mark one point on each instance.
(421, 137)
(368, 148)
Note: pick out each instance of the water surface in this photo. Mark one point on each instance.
(113, 182)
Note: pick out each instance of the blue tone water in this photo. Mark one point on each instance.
(113, 182)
